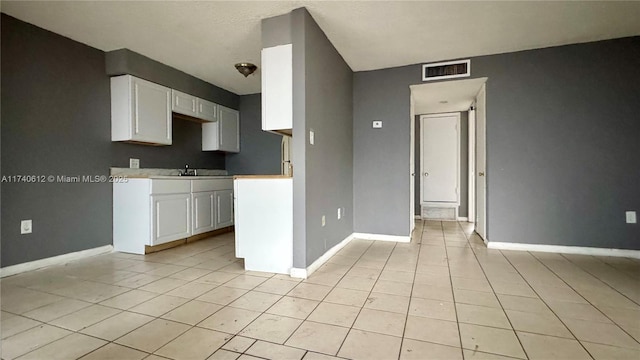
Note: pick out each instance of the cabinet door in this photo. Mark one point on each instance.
(229, 129)
(204, 210)
(206, 110)
(171, 217)
(151, 112)
(224, 208)
(183, 103)
(277, 88)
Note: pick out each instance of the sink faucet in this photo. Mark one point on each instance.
(187, 172)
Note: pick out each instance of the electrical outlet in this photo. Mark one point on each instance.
(324, 220)
(377, 124)
(339, 213)
(631, 217)
(26, 227)
(134, 163)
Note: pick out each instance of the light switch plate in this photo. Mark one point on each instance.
(134, 163)
(26, 227)
(377, 124)
(631, 217)
(312, 137)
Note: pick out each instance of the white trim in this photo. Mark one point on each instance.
(382, 237)
(468, 73)
(298, 273)
(301, 273)
(463, 218)
(417, 217)
(55, 260)
(471, 172)
(579, 250)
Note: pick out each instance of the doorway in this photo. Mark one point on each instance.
(458, 96)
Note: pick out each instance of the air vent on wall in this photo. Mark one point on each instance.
(446, 70)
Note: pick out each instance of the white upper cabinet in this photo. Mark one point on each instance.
(182, 103)
(190, 105)
(277, 89)
(229, 120)
(140, 111)
(206, 110)
(224, 134)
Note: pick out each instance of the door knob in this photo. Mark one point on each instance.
(426, 174)
(481, 173)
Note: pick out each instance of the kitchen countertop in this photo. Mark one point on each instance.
(154, 173)
(240, 177)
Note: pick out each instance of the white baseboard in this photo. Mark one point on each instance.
(55, 260)
(463, 218)
(417, 217)
(579, 250)
(301, 273)
(382, 237)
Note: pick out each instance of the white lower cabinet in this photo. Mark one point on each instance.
(149, 212)
(171, 217)
(204, 212)
(224, 208)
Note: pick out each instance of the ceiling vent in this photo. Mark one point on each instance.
(446, 70)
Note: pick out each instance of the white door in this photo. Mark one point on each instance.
(203, 212)
(224, 208)
(481, 160)
(440, 154)
(170, 217)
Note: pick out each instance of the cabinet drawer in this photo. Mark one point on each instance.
(211, 185)
(170, 186)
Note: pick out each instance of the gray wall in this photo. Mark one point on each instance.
(260, 150)
(381, 156)
(322, 102)
(56, 120)
(562, 135)
(329, 163)
(125, 61)
(464, 165)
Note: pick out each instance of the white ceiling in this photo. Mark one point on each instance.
(206, 38)
(445, 96)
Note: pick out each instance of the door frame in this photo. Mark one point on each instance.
(471, 151)
(438, 115)
(481, 138)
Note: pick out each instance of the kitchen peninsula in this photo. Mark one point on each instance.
(264, 222)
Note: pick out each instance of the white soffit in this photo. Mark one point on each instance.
(206, 38)
(458, 94)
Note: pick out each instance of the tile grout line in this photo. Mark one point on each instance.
(368, 296)
(513, 330)
(597, 278)
(319, 302)
(453, 294)
(543, 301)
(413, 282)
(589, 302)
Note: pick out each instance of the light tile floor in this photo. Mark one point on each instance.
(442, 296)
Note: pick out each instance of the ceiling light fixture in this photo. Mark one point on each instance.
(246, 69)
